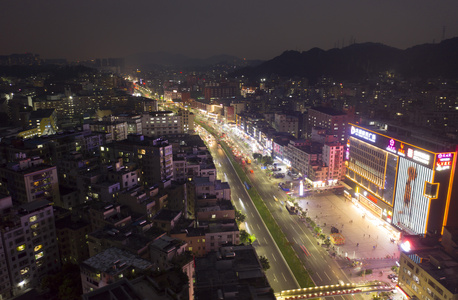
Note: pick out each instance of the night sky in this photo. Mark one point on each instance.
(254, 29)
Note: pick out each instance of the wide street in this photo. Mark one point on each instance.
(328, 208)
(323, 266)
(279, 274)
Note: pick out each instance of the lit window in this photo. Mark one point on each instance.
(39, 255)
(20, 248)
(37, 248)
(32, 219)
(34, 226)
(25, 270)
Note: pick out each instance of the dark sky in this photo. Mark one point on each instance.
(80, 30)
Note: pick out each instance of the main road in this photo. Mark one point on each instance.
(279, 275)
(322, 268)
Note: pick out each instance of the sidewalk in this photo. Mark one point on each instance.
(366, 240)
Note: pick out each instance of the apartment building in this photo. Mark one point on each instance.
(153, 156)
(117, 129)
(428, 270)
(335, 122)
(29, 245)
(161, 123)
(28, 180)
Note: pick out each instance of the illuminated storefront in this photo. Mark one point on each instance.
(403, 184)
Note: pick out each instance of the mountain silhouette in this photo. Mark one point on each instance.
(361, 61)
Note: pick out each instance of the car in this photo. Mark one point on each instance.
(394, 280)
(391, 276)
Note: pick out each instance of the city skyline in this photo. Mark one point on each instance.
(252, 30)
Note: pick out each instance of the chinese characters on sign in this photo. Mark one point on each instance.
(371, 137)
(444, 161)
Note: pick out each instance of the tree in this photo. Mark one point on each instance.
(264, 263)
(65, 284)
(257, 156)
(239, 216)
(246, 238)
(267, 160)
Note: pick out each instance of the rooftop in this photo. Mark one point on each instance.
(114, 261)
(328, 111)
(439, 265)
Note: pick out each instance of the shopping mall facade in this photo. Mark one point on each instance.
(410, 187)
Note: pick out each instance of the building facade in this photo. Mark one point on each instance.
(29, 245)
(408, 186)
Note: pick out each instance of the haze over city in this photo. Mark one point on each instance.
(84, 30)
(229, 150)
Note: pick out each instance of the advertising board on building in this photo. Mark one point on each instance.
(395, 146)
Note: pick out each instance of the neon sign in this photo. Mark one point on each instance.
(421, 157)
(371, 137)
(401, 150)
(391, 146)
(444, 161)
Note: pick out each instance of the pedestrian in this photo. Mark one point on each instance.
(357, 244)
(369, 236)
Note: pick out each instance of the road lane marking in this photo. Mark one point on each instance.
(275, 278)
(294, 240)
(283, 276)
(258, 226)
(274, 257)
(319, 276)
(327, 275)
(265, 240)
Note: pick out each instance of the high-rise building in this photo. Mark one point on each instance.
(153, 156)
(335, 122)
(29, 245)
(405, 183)
(28, 180)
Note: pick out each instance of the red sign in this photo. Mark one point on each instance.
(373, 199)
(444, 161)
